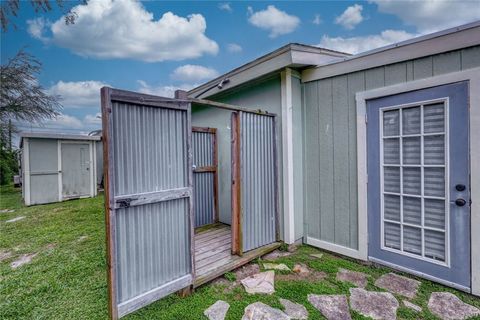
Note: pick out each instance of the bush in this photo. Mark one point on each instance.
(8, 165)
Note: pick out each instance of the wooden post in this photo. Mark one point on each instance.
(236, 188)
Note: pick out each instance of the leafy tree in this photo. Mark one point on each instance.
(10, 8)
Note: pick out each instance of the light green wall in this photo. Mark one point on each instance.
(265, 95)
(330, 186)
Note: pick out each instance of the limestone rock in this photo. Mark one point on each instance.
(274, 255)
(262, 282)
(4, 255)
(412, 306)
(24, 259)
(448, 306)
(399, 285)
(15, 219)
(261, 311)
(357, 278)
(274, 266)
(294, 310)
(217, 311)
(317, 255)
(333, 307)
(377, 305)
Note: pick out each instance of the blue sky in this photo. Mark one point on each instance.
(158, 46)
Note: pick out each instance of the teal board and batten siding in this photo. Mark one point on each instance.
(330, 153)
(264, 94)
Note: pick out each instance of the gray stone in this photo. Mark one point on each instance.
(261, 311)
(317, 255)
(300, 268)
(357, 278)
(412, 306)
(376, 305)
(6, 211)
(4, 255)
(24, 259)
(274, 266)
(399, 285)
(246, 271)
(294, 310)
(262, 282)
(448, 306)
(333, 307)
(217, 311)
(274, 255)
(15, 219)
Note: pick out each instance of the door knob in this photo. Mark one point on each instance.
(460, 202)
(460, 187)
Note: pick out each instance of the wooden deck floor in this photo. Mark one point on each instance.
(213, 257)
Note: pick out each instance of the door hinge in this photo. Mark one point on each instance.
(125, 203)
(366, 118)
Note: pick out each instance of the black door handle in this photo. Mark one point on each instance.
(460, 202)
(460, 187)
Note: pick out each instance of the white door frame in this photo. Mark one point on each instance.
(93, 169)
(471, 75)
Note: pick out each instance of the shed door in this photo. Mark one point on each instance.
(148, 197)
(205, 175)
(75, 169)
(418, 183)
(257, 171)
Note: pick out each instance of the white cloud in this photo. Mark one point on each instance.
(193, 73)
(36, 28)
(78, 94)
(317, 19)
(162, 91)
(124, 29)
(350, 17)
(365, 43)
(234, 48)
(431, 15)
(93, 119)
(276, 21)
(64, 121)
(225, 6)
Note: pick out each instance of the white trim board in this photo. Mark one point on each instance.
(287, 138)
(349, 252)
(435, 43)
(26, 170)
(471, 75)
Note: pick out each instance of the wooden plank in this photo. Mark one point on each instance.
(209, 259)
(107, 129)
(229, 106)
(471, 57)
(136, 98)
(340, 160)
(151, 197)
(395, 73)
(356, 83)
(215, 177)
(190, 185)
(275, 178)
(312, 161)
(204, 129)
(205, 169)
(422, 68)
(326, 223)
(210, 272)
(211, 247)
(219, 237)
(447, 62)
(210, 232)
(214, 243)
(236, 188)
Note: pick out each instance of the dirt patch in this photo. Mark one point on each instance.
(225, 286)
(246, 271)
(23, 259)
(311, 276)
(4, 255)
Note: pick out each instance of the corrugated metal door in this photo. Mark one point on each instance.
(418, 183)
(259, 202)
(149, 201)
(204, 175)
(75, 169)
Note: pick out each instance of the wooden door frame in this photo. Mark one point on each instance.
(213, 168)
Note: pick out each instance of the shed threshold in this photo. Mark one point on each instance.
(213, 256)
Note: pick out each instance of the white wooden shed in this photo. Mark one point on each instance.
(58, 167)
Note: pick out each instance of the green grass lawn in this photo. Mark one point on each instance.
(67, 278)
